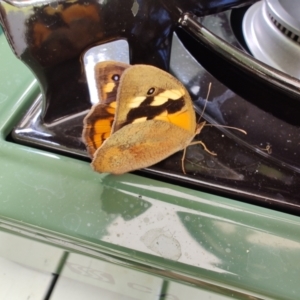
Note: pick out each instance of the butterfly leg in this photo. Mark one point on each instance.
(204, 147)
(182, 161)
(191, 144)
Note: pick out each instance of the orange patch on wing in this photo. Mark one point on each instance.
(102, 124)
(97, 126)
(181, 119)
(101, 131)
(95, 136)
(111, 108)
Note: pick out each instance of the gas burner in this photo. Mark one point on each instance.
(272, 32)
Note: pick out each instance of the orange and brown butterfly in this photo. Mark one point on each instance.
(154, 118)
(98, 122)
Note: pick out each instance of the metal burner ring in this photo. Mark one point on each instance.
(272, 32)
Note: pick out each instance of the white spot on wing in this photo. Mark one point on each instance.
(139, 120)
(135, 102)
(172, 94)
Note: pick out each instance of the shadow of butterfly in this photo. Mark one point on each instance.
(144, 116)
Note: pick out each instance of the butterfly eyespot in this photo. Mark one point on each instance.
(115, 77)
(150, 91)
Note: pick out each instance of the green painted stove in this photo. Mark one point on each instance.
(204, 245)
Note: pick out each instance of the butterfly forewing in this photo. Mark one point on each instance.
(148, 93)
(107, 76)
(98, 122)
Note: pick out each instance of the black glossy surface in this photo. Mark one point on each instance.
(273, 91)
(261, 167)
(58, 33)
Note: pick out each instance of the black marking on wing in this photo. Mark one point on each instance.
(146, 102)
(150, 112)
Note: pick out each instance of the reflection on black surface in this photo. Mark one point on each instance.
(241, 169)
(57, 34)
(275, 100)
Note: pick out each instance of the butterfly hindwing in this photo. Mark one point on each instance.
(140, 145)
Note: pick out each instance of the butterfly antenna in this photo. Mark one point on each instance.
(204, 107)
(224, 126)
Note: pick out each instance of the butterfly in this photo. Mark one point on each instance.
(144, 116)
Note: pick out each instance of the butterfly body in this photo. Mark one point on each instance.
(154, 118)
